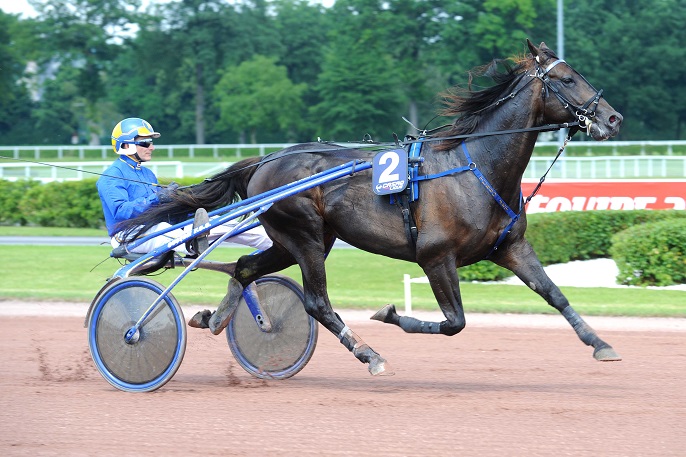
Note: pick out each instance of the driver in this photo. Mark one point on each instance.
(127, 189)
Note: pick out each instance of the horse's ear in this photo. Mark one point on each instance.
(541, 53)
(535, 52)
(532, 48)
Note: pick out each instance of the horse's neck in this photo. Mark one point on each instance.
(504, 158)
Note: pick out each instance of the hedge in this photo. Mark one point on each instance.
(55, 204)
(556, 237)
(581, 235)
(651, 254)
(573, 235)
(11, 195)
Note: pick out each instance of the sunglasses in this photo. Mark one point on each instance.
(145, 143)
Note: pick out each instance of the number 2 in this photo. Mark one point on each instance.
(387, 174)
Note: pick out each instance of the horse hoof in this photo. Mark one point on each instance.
(201, 319)
(385, 314)
(380, 368)
(606, 354)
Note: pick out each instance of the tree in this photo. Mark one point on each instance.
(84, 35)
(365, 63)
(360, 93)
(411, 31)
(257, 94)
(209, 34)
(635, 57)
(60, 94)
(15, 101)
(302, 29)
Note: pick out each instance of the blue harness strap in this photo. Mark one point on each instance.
(415, 178)
(413, 158)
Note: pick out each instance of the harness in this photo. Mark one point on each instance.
(413, 146)
(411, 193)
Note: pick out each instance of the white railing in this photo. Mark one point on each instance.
(218, 151)
(407, 289)
(576, 163)
(76, 171)
(609, 167)
(630, 167)
(615, 145)
(105, 152)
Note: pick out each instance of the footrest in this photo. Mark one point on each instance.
(148, 267)
(120, 252)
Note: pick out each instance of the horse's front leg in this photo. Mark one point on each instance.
(446, 288)
(521, 259)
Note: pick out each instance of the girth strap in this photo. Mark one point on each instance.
(408, 218)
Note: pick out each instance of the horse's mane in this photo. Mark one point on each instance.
(470, 105)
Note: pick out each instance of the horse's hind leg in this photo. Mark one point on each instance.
(523, 262)
(317, 304)
(248, 268)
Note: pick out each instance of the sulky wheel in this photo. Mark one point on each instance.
(285, 349)
(155, 351)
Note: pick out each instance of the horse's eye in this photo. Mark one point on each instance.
(567, 81)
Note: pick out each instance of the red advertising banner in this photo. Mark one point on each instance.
(579, 195)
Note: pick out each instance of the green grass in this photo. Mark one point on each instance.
(15, 230)
(356, 280)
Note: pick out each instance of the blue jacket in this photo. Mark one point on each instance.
(123, 199)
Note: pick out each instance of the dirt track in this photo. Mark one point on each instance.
(490, 391)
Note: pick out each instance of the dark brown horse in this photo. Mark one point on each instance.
(458, 218)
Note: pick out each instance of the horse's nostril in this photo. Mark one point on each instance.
(613, 119)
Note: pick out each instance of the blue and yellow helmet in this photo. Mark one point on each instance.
(127, 130)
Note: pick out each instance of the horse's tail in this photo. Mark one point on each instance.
(218, 191)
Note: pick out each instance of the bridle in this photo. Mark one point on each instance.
(586, 113)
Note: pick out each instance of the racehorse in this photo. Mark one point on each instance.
(460, 218)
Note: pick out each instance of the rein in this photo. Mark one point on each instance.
(83, 171)
(584, 117)
(266, 159)
(542, 128)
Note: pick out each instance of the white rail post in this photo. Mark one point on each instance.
(408, 294)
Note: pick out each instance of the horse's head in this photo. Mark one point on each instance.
(575, 99)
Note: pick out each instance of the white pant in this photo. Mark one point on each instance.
(255, 237)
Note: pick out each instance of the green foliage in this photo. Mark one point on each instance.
(63, 204)
(11, 194)
(580, 235)
(649, 242)
(365, 63)
(360, 94)
(505, 22)
(55, 204)
(651, 254)
(483, 271)
(302, 31)
(78, 42)
(15, 103)
(258, 94)
(652, 32)
(573, 235)
(60, 94)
